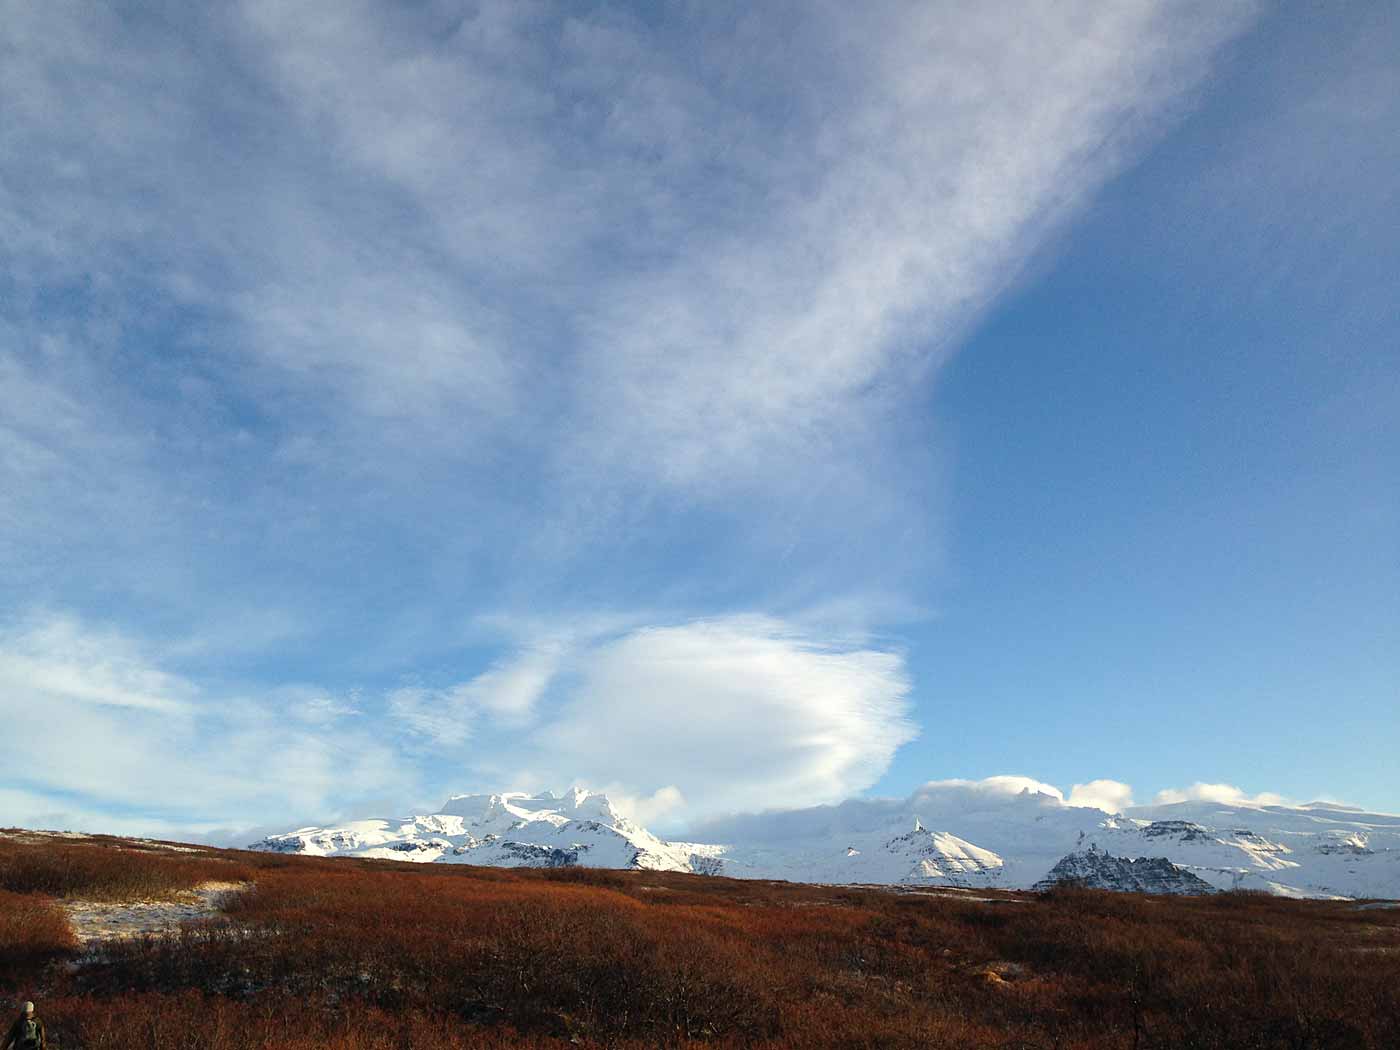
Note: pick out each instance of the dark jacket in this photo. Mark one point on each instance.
(17, 1038)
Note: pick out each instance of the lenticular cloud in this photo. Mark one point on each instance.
(733, 713)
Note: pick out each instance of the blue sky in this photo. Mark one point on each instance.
(726, 408)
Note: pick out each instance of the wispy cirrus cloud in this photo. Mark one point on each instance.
(331, 330)
(480, 214)
(56, 658)
(903, 188)
(105, 726)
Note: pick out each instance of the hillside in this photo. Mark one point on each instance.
(351, 954)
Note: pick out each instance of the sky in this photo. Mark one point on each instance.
(730, 407)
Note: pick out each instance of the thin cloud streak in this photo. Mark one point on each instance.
(102, 719)
(915, 194)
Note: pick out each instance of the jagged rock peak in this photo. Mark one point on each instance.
(1096, 870)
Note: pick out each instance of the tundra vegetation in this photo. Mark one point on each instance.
(360, 955)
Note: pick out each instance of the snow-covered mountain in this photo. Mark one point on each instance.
(508, 830)
(951, 833)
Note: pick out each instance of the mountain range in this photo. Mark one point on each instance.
(948, 833)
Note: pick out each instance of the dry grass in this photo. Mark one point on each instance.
(367, 954)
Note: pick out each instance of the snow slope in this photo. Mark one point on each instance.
(1002, 833)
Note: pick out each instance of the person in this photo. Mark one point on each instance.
(27, 1033)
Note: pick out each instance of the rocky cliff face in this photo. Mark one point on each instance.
(1096, 870)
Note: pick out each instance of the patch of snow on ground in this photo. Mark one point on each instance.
(97, 921)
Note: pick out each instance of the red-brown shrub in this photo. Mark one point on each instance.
(33, 931)
(99, 871)
(362, 955)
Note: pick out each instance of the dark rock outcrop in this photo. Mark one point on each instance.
(1096, 870)
(532, 855)
(1181, 830)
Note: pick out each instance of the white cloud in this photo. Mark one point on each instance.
(508, 213)
(1227, 794)
(661, 806)
(353, 267)
(105, 728)
(312, 706)
(676, 721)
(511, 688)
(431, 713)
(723, 713)
(925, 178)
(984, 811)
(993, 787)
(673, 720)
(971, 808)
(505, 694)
(1111, 796)
(55, 659)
